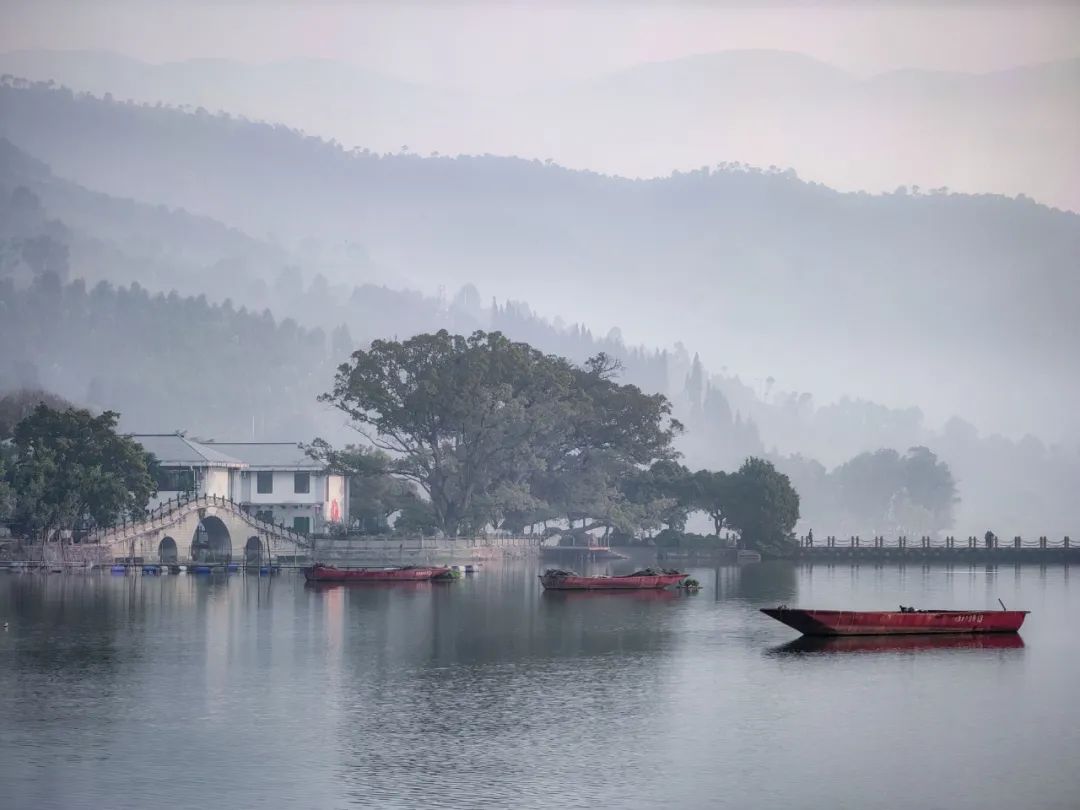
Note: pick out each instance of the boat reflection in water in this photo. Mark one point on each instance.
(898, 644)
(369, 585)
(624, 594)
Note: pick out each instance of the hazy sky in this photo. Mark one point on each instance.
(498, 44)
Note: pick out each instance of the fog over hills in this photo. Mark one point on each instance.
(960, 304)
(267, 324)
(1007, 131)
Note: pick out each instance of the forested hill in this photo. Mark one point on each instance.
(49, 225)
(100, 237)
(1008, 131)
(166, 362)
(944, 299)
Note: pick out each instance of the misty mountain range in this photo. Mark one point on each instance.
(934, 290)
(1010, 131)
(956, 303)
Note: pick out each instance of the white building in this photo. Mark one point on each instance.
(275, 481)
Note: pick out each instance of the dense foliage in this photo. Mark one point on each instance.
(7, 494)
(763, 507)
(756, 502)
(73, 471)
(497, 433)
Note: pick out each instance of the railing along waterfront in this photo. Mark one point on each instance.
(1043, 547)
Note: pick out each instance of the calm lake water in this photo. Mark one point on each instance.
(244, 692)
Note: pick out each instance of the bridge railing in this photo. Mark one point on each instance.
(902, 542)
(163, 514)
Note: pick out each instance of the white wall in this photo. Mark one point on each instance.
(215, 482)
(284, 491)
(285, 503)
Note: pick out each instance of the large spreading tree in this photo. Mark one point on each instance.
(498, 433)
(71, 470)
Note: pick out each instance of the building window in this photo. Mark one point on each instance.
(264, 483)
(301, 524)
(302, 483)
(265, 515)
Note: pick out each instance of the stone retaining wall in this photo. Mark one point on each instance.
(76, 554)
(416, 550)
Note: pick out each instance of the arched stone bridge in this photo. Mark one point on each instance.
(208, 529)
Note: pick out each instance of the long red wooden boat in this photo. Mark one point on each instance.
(410, 573)
(896, 622)
(557, 580)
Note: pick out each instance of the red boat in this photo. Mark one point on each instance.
(896, 622)
(408, 573)
(557, 580)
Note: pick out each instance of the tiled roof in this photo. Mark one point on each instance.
(268, 455)
(172, 449)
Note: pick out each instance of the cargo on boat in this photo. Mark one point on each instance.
(409, 573)
(555, 579)
(896, 622)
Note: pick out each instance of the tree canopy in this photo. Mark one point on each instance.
(7, 495)
(756, 501)
(73, 471)
(764, 508)
(712, 494)
(498, 433)
(886, 492)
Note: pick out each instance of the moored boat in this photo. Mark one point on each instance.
(408, 573)
(896, 622)
(555, 579)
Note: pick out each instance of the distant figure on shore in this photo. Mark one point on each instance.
(990, 537)
(810, 537)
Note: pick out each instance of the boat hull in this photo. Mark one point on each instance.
(891, 623)
(329, 573)
(576, 583)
